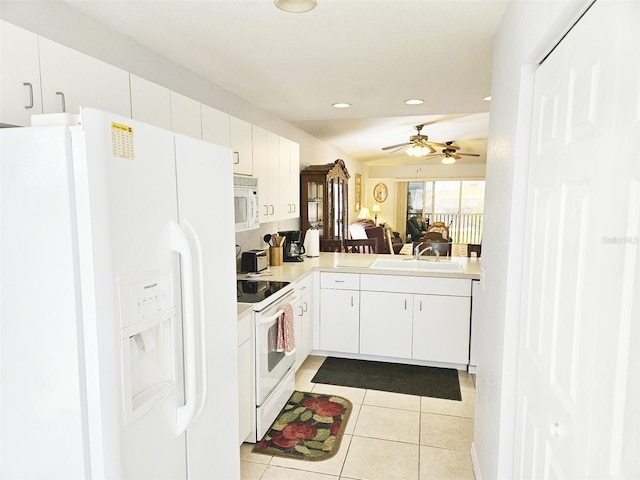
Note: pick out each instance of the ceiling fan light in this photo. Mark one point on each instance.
(447, 160)
(295, 6)
(414, 101)
(341, 105)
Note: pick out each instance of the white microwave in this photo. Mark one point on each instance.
(245, 203)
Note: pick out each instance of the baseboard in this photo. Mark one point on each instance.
(475, 463)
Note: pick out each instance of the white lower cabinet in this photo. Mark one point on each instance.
(246, 391)
(303, 327)
(412, 318)
(441, 328)
(386, 324)
(340, 312)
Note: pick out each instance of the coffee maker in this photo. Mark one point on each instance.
(293, 248)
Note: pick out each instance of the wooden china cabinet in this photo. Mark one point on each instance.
(324, 199)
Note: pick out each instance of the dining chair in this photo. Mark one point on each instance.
(330, 245)
(361, 246)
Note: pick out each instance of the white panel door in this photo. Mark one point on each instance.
(578, 387)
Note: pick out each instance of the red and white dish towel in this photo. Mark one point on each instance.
(286, 337)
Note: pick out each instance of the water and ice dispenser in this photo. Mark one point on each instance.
(148, 317)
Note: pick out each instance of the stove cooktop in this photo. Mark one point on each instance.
(256, 291)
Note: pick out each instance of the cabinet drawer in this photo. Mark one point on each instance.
(245, 323)
(423, 285)
(340, 281)
(303, 286)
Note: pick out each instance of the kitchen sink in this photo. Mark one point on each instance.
(415, 265)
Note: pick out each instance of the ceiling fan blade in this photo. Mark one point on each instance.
(390, 147)
(397, 149)
(468, 154)
(444, 145)
(455, 155)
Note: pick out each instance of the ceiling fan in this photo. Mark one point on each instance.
(450, 154)
(419, 145)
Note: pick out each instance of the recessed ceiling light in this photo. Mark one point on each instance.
(414, 101)
(296, 6)
(487, 98)
(341, 105)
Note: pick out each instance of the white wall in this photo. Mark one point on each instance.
(529, 30)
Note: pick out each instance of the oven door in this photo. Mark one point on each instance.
(271, 366)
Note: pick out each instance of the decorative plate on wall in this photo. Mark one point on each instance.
(380, 192)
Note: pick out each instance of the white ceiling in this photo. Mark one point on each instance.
(373, 54)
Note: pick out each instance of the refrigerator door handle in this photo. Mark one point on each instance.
(180, 244)
(202, 398)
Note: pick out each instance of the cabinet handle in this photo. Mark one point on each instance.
(339, 281)
(62, 99)
(266, 209)
(273, 209)
(352, 301)
(306, 306)
(27, 84)
(405, 304)
(293, 207)
(236, 158)
(420, 305)
(301, 311)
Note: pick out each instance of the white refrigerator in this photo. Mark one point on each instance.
(118, 328)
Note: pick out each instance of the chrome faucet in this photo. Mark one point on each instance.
(417, 252)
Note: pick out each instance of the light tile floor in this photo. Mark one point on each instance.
(389, 436)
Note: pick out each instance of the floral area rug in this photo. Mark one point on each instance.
(309, 427)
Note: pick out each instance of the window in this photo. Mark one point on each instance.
(457, 203)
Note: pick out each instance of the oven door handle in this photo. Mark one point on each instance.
(280, 311)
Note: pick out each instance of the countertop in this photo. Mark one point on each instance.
(360, 263)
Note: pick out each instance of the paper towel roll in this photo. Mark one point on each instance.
(312, 243)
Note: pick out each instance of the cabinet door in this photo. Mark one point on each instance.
(294, 178)
(245, 356)
(71, 79)
(215, 126)
(298, 327)
(261, 170)
(339, 320)
(286, 208)
(20, 95)
(150, 102)
(441, 328)
(386, 324)
(240, 138)
(274, 182)
(185, 116)
(290, 179)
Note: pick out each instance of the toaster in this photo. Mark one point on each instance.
(254, 261)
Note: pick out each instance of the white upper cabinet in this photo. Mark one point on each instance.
(150, 102)
(71, 79)
(261, 171)
(273, 178)
(241, 144)
(289, 179)
(20, 95)
(185, 116)
(215, 126)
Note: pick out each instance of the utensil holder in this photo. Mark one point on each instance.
(275, 256)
